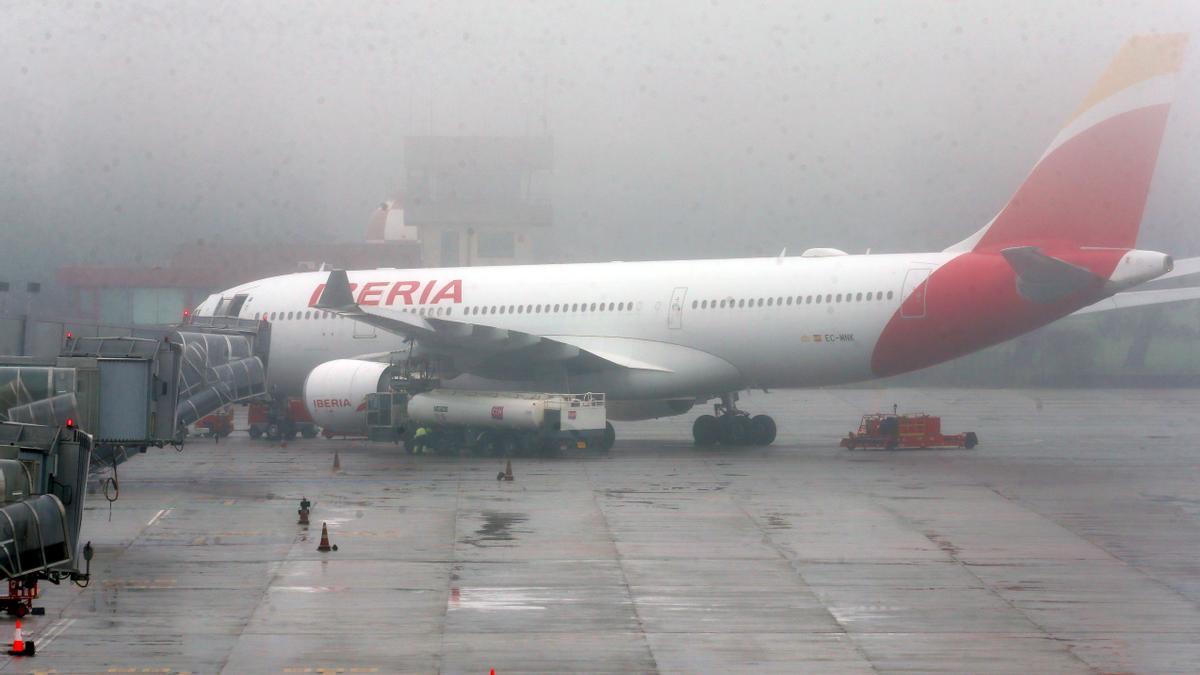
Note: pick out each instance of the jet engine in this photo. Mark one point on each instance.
(335, 393)
(631, 411)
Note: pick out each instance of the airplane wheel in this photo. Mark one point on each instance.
(762, 430)
(256, 432)
(706, 431)
(308, 431)
(735, 429)
(610, 437)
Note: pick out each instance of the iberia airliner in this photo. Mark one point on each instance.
(660, 337)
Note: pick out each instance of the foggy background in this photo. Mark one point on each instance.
(681, 129)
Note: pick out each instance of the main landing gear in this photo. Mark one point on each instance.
(731, 426)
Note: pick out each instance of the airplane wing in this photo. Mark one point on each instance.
(482, 350)
(1130, 299)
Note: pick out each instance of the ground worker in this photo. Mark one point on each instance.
(418, 445)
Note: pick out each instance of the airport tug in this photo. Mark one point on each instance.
(915, 431)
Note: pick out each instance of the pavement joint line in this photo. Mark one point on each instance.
(779, 551)
(264, 596)
(1114, 556)
(453, 562)
(620, 560)
(953, 553)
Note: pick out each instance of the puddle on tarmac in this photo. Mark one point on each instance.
(497, 526)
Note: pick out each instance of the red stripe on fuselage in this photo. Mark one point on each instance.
(972, 302)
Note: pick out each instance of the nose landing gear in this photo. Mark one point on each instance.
(733, 427)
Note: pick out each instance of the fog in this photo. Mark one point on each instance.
(681, 129)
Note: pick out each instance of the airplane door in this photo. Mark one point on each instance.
(363, 331)
(675, 309)
(913, 295)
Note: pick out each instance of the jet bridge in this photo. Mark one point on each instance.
(131, 393)
(43, 480)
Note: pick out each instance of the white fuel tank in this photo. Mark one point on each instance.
(478, 409)
(335, 393)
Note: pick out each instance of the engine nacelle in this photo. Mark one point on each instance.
(632, 411)
(335, 393)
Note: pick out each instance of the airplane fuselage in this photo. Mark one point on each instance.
(705, 326)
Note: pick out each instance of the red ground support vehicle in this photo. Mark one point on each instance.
(19, 601)
(218, 424)
(276, 420)
(915, 431)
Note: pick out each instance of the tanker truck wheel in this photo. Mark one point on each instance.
(610, 437)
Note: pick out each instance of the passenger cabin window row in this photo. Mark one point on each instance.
(828, 299)
(558, 308)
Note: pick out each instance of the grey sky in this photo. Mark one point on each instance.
(682, 129)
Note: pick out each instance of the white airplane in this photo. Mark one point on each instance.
(661, 337)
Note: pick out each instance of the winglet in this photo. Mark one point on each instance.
(337, 294)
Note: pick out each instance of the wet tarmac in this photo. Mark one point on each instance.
(1069, 541)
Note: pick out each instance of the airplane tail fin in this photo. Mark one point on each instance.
(1089, 188)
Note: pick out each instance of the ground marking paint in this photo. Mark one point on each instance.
(54, 631)
(160, 514)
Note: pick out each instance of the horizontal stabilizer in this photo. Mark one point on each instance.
(1182, 268)
(1132, 299)
(1042, 278)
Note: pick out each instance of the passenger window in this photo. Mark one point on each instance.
(593, 308)
(760, 302)
(858, 297)
(889, 295)
(818, 299)
(839, 298)
(868, 296)
(612, 306)
(742, 302)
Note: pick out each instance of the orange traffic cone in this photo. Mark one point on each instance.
(324, 546)
(508, 470)
(18, 646)
(337, 461)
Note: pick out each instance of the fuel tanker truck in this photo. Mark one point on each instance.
(382, 402)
